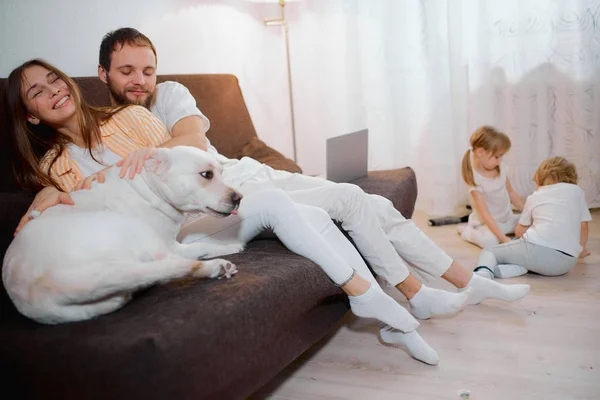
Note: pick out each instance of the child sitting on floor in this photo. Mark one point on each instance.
(489, 189)
(553, 227)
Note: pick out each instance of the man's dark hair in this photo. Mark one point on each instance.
(115, 40)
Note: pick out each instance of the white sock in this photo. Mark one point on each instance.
(374, 303)
(509, 270)
(414, 343)
(429, 302)
(489, 289)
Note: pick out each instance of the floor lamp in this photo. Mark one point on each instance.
(280, 21)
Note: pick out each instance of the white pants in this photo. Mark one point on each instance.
(389, 242)
(307, 231)
(539, 259)
(480, 234)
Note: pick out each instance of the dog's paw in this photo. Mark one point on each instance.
(217, 268)
(228, 270)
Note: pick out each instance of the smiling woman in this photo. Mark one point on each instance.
(51, 124)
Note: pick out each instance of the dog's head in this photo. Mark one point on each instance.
(191, 180)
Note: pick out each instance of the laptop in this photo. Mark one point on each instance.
(347, 156)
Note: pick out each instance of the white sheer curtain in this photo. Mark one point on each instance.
(421, 75)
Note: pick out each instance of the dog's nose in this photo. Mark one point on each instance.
(236, 197)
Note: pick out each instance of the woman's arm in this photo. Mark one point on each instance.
(480, 207)
(46, 198)
(515, 198)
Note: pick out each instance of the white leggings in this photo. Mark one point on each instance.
(481, 235)
(392, 245)
(305, 230)
(539, 259)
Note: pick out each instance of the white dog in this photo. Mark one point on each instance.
(76, 262)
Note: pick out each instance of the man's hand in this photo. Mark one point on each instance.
(87, 182)
(46, 198)
(134, 162)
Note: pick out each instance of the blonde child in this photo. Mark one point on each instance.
(489, 189)
(553, 228)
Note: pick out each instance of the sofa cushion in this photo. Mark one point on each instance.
(258, 150)
(397, 185)
(181, 340)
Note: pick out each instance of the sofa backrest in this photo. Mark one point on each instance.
(218, 96)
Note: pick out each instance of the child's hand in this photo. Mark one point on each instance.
(505, 239)
(584, 254)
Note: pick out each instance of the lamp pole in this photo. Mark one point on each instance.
(283, 23)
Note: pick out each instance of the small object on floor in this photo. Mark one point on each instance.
(464, 394)
(447, 220)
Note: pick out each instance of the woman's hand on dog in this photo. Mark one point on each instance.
(87, 182)
(134, 162)
(46, 198)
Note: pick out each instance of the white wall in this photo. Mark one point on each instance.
(191, 36)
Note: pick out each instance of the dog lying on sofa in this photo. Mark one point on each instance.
(76, 262)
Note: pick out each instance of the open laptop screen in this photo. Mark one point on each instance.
(347, 156)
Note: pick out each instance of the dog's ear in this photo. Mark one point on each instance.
(159, 163)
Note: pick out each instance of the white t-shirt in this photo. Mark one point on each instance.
(175, 102)
(555, 213)
(495, 196)
(87, 164)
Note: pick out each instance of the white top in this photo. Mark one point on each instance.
(175, 102)
(495, 195)
(87, 164)
(555, 213)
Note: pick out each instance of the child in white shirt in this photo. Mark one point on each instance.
(553, 228)
(489, 189)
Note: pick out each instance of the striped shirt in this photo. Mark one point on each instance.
(130, 129)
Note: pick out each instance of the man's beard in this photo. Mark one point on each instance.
(120, 98)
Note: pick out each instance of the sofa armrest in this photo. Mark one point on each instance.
(12, 208)
(397, 185)
(258, 150)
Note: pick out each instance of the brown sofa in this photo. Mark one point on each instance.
(209, 339)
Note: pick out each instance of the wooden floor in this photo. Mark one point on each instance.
(545, 346)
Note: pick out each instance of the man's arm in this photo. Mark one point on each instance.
(188, 131)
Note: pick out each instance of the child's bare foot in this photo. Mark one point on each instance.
(584, 254)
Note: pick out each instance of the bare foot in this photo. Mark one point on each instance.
(584, 254)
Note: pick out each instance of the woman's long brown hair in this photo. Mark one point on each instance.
(30, 143)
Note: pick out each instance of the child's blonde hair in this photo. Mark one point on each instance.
(489, 139)
(555, 170)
